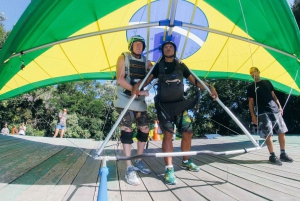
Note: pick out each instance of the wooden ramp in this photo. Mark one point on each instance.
(40, 168)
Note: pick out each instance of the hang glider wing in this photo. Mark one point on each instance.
(61, 41)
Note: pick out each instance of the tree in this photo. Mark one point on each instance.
(3, 33)
(296, 11)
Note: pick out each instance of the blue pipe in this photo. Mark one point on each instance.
(102, 193)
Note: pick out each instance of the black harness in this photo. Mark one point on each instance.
(135, 72)
(170, 101)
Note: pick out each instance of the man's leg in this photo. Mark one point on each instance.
(167, 146)
(186, 143)
(265, 129)
(269, 143)
(126, 140)
(273, 158)
(281, 139)
(142, 138)
(283, 155)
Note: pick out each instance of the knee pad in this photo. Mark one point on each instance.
(126, 137)
(142, 137)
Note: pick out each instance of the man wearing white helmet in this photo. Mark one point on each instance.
(172, 107)
(132, 67)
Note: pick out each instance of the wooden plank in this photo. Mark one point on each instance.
(21, 184)
(129, 192)
(113, 185)
(183, 190)
(220, 188)
(154, 182)
(21, 165)
(255, 183)
(85, 184)
(261, 164)
(42, 187)
(258, 184)
(61, 188)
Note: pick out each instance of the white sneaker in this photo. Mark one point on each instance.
(141, 167)
(131, 177)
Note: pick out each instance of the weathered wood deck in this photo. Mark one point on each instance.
(37, 168)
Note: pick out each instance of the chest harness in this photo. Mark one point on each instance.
(135, 70)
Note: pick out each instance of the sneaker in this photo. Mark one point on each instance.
(284, 157)
(170, 176)
(190, 166)
(141, 167)
(274, 160)
(131, 177)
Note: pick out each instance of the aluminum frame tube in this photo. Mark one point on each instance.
(186, 153)
(189, 25)
(228, 111)
(144, 25)
(172, 16)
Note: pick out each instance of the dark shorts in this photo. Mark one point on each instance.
(140, 118)
(185, 121)
(271, 121)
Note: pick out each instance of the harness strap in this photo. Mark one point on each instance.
(175, 80)
(128, 57)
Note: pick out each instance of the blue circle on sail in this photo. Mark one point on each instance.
(186, 46)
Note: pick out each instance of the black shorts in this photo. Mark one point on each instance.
(141, 118)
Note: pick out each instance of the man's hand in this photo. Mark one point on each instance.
(281, 111)
(254, 120)
(214, 93)
(144, 93)
(135, 90)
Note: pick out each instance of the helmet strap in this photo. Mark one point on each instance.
(138, 56)
(169, 56)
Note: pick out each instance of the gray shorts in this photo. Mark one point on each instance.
(269, 122)
(140, 118)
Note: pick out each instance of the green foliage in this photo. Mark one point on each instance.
(34, 132)
(296, 11)
(3, 33)
(152, 113)
(211, 117)
(89, 104)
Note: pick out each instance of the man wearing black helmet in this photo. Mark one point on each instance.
(131, 68)
(172, 107)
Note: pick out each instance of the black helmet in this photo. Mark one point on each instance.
(135, 39)
(169, 42)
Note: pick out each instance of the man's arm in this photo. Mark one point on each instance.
(149, 65)
(121, 73)
(213, 94)
(251, 108)
(277, 102)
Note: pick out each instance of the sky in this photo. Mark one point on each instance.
(13, 10)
